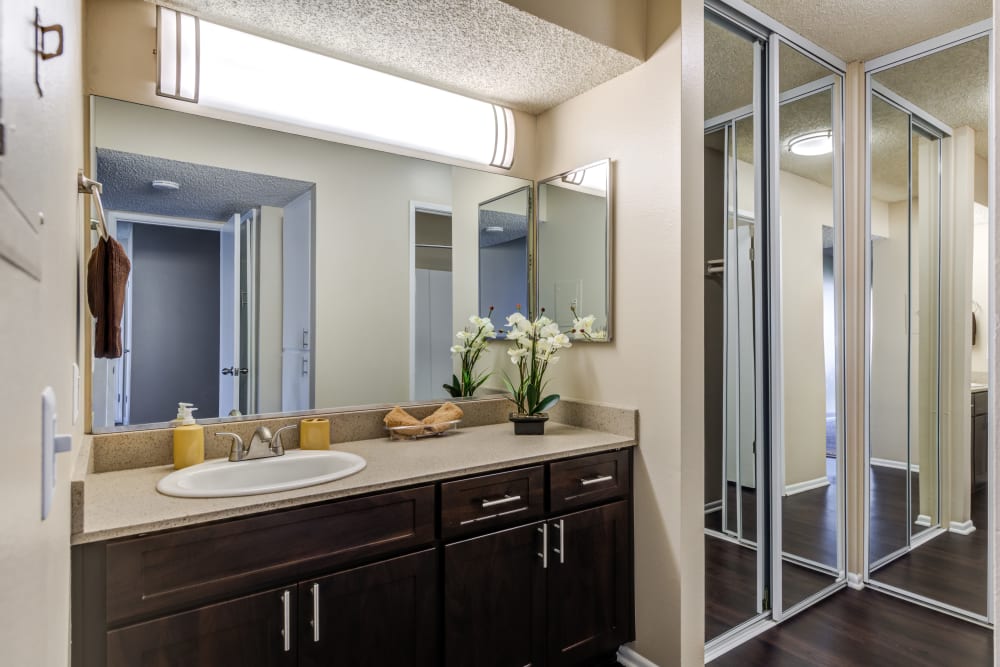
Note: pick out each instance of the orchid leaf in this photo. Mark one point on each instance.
(547, 403)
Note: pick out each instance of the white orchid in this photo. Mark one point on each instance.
(473, 341)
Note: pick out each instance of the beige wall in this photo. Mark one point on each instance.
(649, 122)
(270, 277)
(120, 63)
(981, 296)
(39, 332)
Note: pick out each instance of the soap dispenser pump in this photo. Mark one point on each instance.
(189, 437)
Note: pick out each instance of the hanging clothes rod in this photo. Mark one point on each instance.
(88, 186)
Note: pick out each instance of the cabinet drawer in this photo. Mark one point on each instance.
(589, 479)
(168, 571)
(492, 501)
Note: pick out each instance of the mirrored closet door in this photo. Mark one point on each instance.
(928, 304)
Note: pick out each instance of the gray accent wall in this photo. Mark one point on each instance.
(175, 322)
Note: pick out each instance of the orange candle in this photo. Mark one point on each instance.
(314, 433)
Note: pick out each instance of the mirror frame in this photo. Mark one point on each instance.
(534, 258)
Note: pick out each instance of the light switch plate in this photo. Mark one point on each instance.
(52, 444)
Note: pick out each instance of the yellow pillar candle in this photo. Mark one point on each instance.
(314, 433)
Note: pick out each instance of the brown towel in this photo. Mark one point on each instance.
(107, 275)
(398, 417)
(438, 420)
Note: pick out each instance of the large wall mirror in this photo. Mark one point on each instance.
(573, 249)
(504, 228)
(928, 476)
(274, 272)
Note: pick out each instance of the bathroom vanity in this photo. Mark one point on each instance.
(497, 551)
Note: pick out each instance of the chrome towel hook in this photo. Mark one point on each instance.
(89, 186)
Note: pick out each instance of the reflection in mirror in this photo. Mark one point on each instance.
(275, 272)
(809, 192)
(929, 241)
(733, 564)
(503, 254)
(574, 247)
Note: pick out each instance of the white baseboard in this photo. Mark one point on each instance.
(962, 527)
(855, 581)
(807, 485)
(898, 465)
(923, 520)
(629, 658)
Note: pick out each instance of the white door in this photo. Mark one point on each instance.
(296, 293)
(229, 316)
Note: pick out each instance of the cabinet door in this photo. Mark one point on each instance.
(589, 584)
(980, 440)
(253, 631)
(494, 606)
(375, 615)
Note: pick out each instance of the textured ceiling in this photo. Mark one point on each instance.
(864, 29)
(206, 193)
(486, 49)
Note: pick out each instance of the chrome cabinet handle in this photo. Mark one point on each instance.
(562, 542)
(315, 618)
(286, 630)
(507, 498)
(596, 480)
(544, 530)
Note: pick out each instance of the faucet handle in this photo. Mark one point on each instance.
(236, 451)
(263, 433)
(276, 446)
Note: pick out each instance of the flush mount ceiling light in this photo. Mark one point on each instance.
(494, 229)
(254, 76)
(166, 186)
(812, 144)
(177, 46)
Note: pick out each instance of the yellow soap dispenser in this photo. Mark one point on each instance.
(189, 438)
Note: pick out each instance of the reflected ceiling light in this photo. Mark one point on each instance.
(166, 186)
(259, 77)
(177, 46)
(591, 179)
(494, 229)
(812, 143)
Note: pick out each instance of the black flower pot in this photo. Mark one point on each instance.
(529, 424)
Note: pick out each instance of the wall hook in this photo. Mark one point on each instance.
(40, 53)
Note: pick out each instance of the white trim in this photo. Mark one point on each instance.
(165, 220)
(728, 642)
(855, 581)
(713, 506)
(921, 49)
(808, 485)
(962, 527)
(435, 209)
(912, 109)
(898, 465)
(924, 520)
(628, 657)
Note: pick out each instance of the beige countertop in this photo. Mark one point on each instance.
(116, 504)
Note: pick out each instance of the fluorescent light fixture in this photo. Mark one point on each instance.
(812, 144)
(166, 186)
(254, 76)
(593, 178)
(494, 229)
(177, 47)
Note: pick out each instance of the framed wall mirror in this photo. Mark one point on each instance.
(273, 272)
(573, 247)
(504, 229)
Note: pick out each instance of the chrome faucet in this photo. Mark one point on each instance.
(262, 445)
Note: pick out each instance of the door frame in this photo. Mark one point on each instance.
(433, 209)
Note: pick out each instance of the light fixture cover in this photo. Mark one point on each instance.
(812, 143)
(259, 77)
(177, 54)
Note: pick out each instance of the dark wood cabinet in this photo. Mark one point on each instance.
(589, 584)
(404, 578)
(252, 631)
(494, 599)
(371, 616)
(980, 439)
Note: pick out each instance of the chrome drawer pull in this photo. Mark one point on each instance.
(315, 619)
(562, 542)
(286, 630)
(544, 530)
(507, 498)
(596, 480)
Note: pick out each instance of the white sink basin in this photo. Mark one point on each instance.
(296, 469)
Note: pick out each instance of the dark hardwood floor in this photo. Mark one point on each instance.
(866, 628)
(887, 520)
(950, 568)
